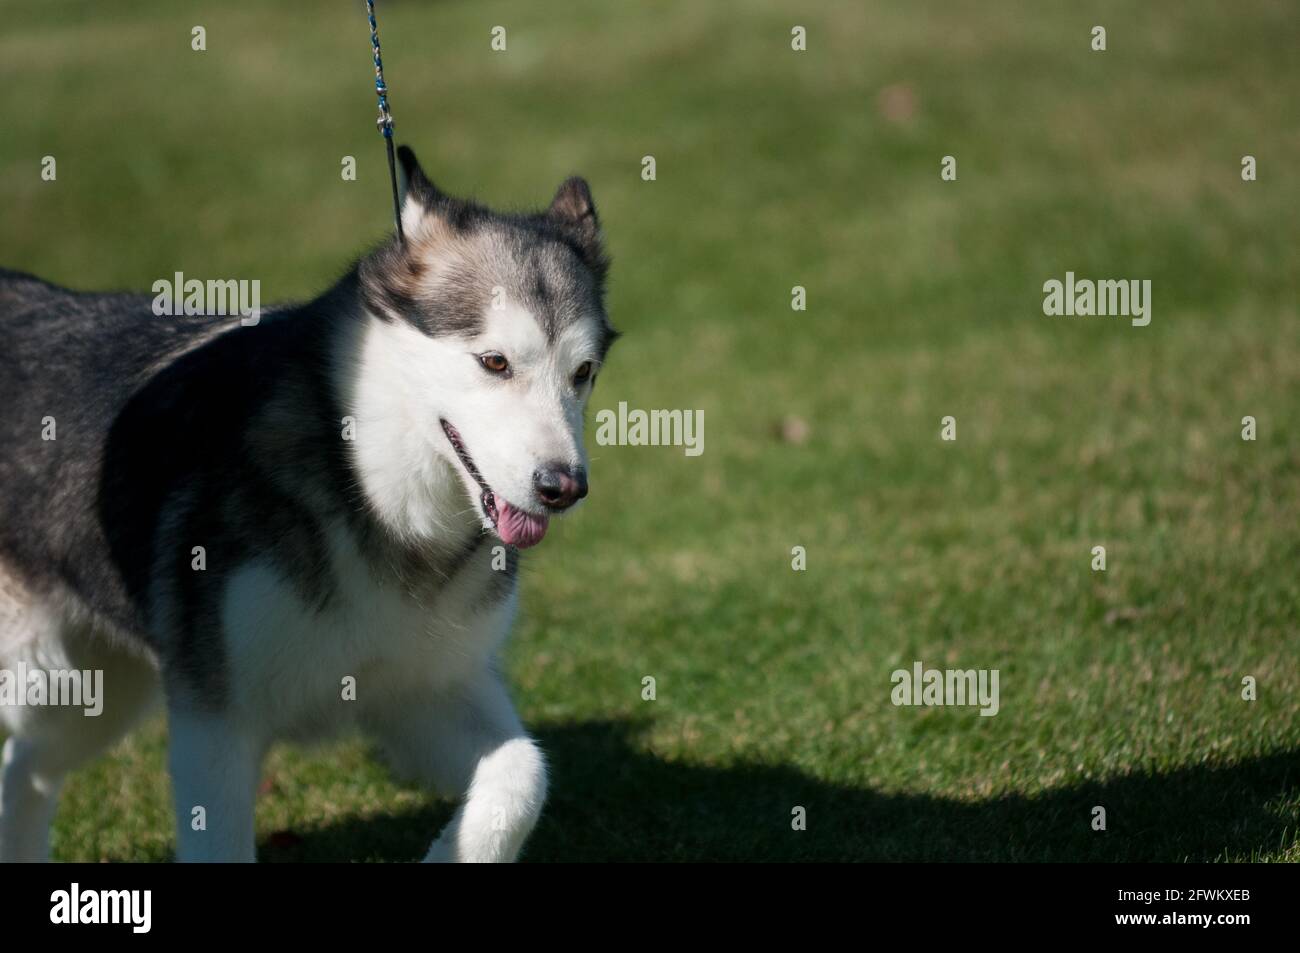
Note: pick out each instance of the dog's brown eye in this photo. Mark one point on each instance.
(496, 363)
(583, 373)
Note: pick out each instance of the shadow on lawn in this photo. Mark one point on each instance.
(610, 801)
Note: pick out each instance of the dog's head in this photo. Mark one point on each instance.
(491, 332)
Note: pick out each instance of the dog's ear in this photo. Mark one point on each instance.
(574, 210)
(413, 186)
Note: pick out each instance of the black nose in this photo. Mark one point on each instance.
(559, 486)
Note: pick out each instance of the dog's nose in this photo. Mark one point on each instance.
(559, 486)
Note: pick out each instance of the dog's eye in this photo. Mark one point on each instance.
(494, 362)
(582, 374)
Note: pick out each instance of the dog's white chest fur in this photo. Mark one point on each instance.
(312, 672)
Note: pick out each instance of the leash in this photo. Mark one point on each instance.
(385, 122)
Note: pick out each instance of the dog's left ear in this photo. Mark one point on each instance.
(574, 210)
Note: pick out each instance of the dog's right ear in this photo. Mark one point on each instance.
(415, 192)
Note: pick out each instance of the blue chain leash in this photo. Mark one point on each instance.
(385, 121)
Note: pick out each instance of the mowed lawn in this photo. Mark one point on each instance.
(1120, 689)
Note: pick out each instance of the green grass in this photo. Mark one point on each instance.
(775, 169)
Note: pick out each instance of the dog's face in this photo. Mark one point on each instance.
(498, 329)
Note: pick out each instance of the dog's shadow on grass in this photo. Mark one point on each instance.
(612, 801)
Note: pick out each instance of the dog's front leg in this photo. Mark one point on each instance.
(472, 744)
(214, 768)
(507, 777)
(504, 801)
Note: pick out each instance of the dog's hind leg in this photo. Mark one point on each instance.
(48, 741)
(471, 743)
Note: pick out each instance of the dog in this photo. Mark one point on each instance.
(307, 525)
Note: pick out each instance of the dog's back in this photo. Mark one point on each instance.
(72, 362)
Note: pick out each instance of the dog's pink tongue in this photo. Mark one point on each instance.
(517, 528)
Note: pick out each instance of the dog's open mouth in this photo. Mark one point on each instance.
(515, 526)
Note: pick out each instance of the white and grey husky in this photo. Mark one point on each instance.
(300, 526)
